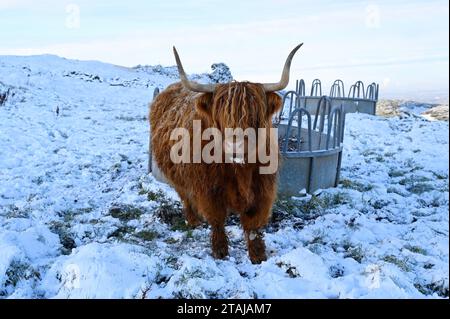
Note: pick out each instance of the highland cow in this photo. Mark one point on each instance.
(211, 191)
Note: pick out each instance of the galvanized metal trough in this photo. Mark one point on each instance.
(310, 147)
(359, 99)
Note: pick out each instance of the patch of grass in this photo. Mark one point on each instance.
(284, 208)
(125, 213)
(172, 261)
(189, 234)
(402, 264)
(69, 215)
(351, 223)
(65, 237)
(360, 187)
(298, 212)
(357, 253)
(334, 200)
(413, 179)
(380, 158)
(318, 240)
(38, 180)
(322, 202)
(336, 271)
(416, 184)
(435, 202)
(171, 213)
(141, 189)
(179, 223)
(379, 203)
(188, 275)
(412, 164)
(419, 188)
(152, 196)
(440, 176)
(131, 118)
(171, 241)
(15, 212)
(146, 235)
(368, 153)
(397, 191)
(439, 288)
(312, 205)
(285, 204)
(19, 270)
(121, 232)
(416, 249)
(395, 172)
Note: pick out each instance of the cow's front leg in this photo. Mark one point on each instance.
(252, 221)
(219, 242)
(216, 214)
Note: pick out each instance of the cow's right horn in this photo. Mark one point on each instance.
(271, 87)
(191, 85)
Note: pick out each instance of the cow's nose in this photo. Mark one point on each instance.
(234, 147)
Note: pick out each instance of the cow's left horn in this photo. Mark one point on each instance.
(191, 85)
(271, 87)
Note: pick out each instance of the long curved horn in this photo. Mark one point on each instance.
(191, 85)
(271, 87)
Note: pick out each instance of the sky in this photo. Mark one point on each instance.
(401, 44)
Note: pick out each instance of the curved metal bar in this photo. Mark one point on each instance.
(335, 129)
(342, 124)
(316, 88)
(300, 87)
(317, 153)
(337, 89)
(333, 118)
(326, 102)
(308, 116)
(356, 90)
(288, 130)
(291, 103)
(300, 112)
(372, 92)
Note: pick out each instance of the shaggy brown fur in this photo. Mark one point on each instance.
(211, 191)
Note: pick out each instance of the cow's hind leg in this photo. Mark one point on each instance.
(189, 212)
(191, 216)
(215, 213)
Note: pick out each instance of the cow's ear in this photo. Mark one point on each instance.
(274, 102)
(203, 104)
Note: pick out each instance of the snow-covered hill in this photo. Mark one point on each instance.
(430, 111)
(79, 216)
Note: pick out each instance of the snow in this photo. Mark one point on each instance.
(81, 218)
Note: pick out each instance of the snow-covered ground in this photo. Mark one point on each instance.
(81, 218)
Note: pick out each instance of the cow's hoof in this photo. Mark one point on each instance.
(192, 220)
(219, 243)
(257, 259)
(220, 253)
(256, 247)
(193, 223)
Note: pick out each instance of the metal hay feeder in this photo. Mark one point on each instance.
(359, 99)
(310, 147)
